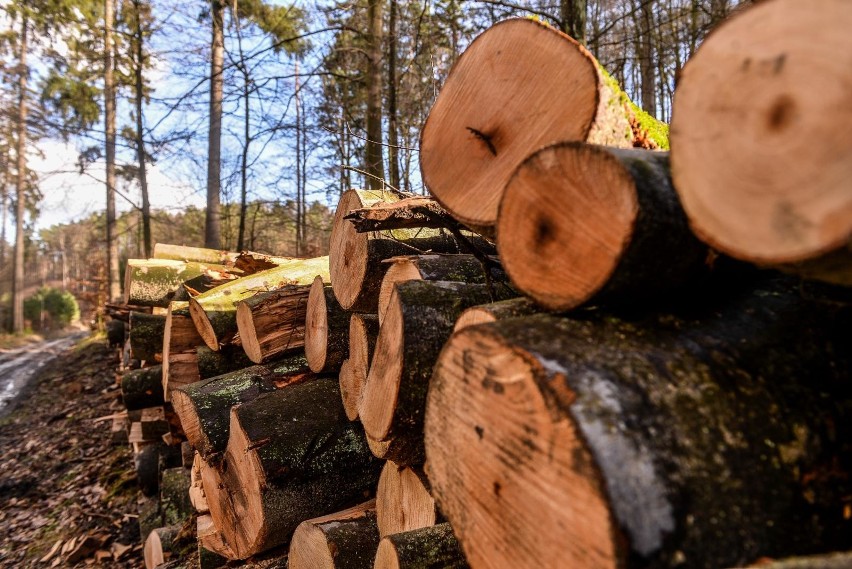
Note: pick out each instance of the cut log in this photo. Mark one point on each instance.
(326, 329)
(215, 312)
(292, 455)
(142, 388)
(403, 500)
(407, 213)
(356, 258)
(229, 358)
(458, 268)
(158, 545)
(273, 323)
(434, 546)
(175, 504)
(831, 561)
(763, 170)
(210, 538)
(154, 282)
(194, 254)
(419, 320)
(518, 87)
(147, 425)
(250, 263)
(700, 441)
(122, 311)
(146, 336)
(363, 331)
(116, 332)
(580, 223)
(494, 311)
(146, 461)
(343, 540)
(204, 408)
(180, 338)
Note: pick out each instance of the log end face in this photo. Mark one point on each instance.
(399, 271)
(347, 252)
(309, 548)
(203, 325)
(248, 333)
(316, 327)
(386, 556)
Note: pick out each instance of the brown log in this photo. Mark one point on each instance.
(229, 358)
(146, 336)
(158, 545)
(122, 311)
(701, 440)
(250, 263)
(326, 329)
(210, 538)
(204, 408)
(407, 213)
(356, 258)
(180, 338)
(141, 388)
(149, 515)
(194, 254)
(419, 319)
(155, 282)
(458, 268)
(363, 331)
(434, 546)
(215, 311)
(581, 223)
(495, 311)
(518, 87)
(403, 500)
(292, 455)
(343, 540)
(273, 323)
(196, 488)
(765, 179)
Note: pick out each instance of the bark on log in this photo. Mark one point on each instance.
(830, 561)
(423, 548)
(204, 408)
(146, 461)
(292, 455)
(149, 515)
(343, 540)
(122, 311)
(326, 329)
(194, 254)
(356, 258)
(180, 338)
(116, 330)
(363, 331)
(250, 263)
(580, 223)
(158, 544)
(146, 336)
(212, 364)
(407, 213)
(457, 268)
(702, 440)
(210, 538)
(419, 320)
(215, 312)
(175, 504)
(763, 173)
(154, 282)
(273, 323)
(141, 388)
(495, 311)
(403, 500)
(518, 87)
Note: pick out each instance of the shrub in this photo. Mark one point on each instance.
(60, 308)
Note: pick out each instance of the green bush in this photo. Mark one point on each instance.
(60, 308)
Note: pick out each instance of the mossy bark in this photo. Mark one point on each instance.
(278, 321)
(344, 540)
(149, 518)
(146, 336)
(147, 464)
(174, 495)
(154, 282)
(196, 254)
(434, 546)
(227, 360)
(142, 388)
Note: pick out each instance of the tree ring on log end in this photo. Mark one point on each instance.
(248, 333)
(316, 326)
(400, 270)
(203, 325)
(310, 549)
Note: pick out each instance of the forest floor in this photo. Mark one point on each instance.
(67, 494)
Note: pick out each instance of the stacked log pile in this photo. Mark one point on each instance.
(553, 363)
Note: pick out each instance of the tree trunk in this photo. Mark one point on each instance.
(195, 254)
(210, 540)
(20, 182)
(702, 440)
(146, 336)
(363, 331)
(456, 268)
(158, 545)
(496, 311)
(738, 162)
(518, 87)
(434, 546)
(215, 311)
(573, 15)
(647, 66)
(356, 258)
(214, 141)
(582, 223)
(292, 455)
(393, 130)
(142, 388)
(204, 408)
(403, 500)
(326, 329)
(419, 320)
(343, 540)
(156, 282)
(180, 338)
(139, 96)
(109, 129)
(273, 323)
(374, 162)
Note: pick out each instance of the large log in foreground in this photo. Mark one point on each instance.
(581, 222)
(343, 540)
(215, 311)
(763, 171)
(326, 329)
(703, 441)
(428, 547)
(356, 258)
(519, 86)
(155, 282)
(419, 320)
(273, 323)
(292, 455)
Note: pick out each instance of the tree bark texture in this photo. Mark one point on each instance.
(109, 130)
(158, 545)
(175, 504)
(214, 140)
(273, 323)
(142, 388)
(496, 311)
(146, 336)
(156, 282)
(433, 546)
(20, 180)
(229, 358)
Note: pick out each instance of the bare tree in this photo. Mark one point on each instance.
(214, 141)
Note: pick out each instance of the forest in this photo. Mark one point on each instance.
(265, 111)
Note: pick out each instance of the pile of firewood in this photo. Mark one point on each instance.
(578, 356)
